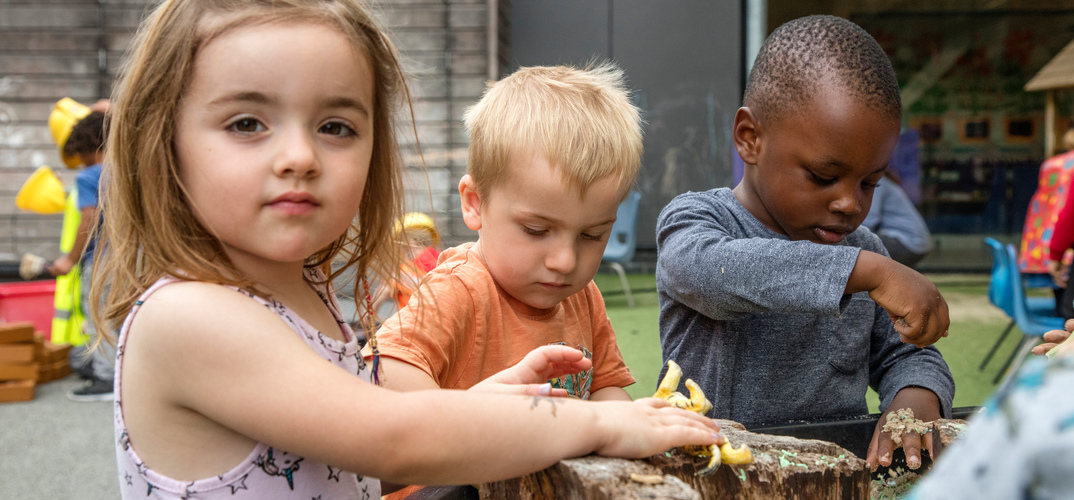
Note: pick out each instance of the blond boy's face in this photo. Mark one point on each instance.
(542, 242)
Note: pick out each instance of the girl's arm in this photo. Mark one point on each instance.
(203, 351)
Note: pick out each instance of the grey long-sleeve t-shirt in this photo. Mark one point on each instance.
(763, 325)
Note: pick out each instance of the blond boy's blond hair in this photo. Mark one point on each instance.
(581, 119)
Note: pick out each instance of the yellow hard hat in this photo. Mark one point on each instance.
(65, 114)
(41, 193)
(417, 221)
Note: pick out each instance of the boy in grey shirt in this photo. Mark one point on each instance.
(771, 296)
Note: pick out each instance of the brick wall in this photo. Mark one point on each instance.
(51, 49)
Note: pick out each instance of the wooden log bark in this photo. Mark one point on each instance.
(784, 467)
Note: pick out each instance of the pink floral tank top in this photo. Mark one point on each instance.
(266, 472)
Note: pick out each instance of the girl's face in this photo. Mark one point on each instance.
(274, 140)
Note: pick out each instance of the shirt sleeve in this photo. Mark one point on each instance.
(609, 368)
(426, 332)
(895, 365)
(86, 183)
(707, 262)
(1062, 233)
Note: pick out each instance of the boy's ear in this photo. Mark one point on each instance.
(746, 135)
(471, 202)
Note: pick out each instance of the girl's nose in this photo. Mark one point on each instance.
(296, 156)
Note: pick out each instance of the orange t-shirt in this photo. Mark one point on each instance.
(463, 329)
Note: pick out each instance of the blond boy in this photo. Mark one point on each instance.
(553, 151)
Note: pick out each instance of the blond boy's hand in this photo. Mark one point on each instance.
(649, 426)
(914, 303)
(529, 377)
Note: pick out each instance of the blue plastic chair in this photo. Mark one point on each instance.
(1001, 295)
(1011, 293)
(623, 240)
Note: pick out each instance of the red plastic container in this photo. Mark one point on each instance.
(28, 301)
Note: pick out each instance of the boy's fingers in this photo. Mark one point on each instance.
(884, 448)
(911, 445)
(870, 454)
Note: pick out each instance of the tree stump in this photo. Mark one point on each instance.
(783, 467)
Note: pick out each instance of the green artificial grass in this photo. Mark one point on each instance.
(975, 326)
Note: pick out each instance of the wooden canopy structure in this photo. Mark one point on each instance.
(1057, 74)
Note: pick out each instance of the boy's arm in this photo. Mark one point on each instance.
(905, 377)
(716, 265)
(401, 376)
(64, 264)
(894, 365)
(610, 372)
(913, 303)
(610, 394)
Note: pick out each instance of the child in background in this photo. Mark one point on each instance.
(419, 241)
(553, 151)
(86, 143)
(251, 145)
(894, 218)
(771, 296)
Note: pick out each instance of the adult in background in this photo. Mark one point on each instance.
(1053, 187)
(894, 218)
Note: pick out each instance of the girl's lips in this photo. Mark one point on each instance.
(294, 203)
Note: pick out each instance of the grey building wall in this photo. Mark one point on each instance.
(51, 49)
(683, 61)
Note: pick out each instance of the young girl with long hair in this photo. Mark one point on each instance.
(251, 146)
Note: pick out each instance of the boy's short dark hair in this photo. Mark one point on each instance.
(806, 53)
(87, 136)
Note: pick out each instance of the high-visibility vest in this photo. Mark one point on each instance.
(68, 318)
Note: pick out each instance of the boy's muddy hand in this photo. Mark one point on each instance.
(926, 408)
(1054, 338)
(530, 376)
(649, 426)
(916, 307)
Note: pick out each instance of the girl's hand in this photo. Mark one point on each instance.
(926, 407)
(530, 376)
(649, 426)
(1054, 338)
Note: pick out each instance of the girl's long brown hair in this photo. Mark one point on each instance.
(149, 230)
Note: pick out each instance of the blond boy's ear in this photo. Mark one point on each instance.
(471, 202)
(747, 135)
